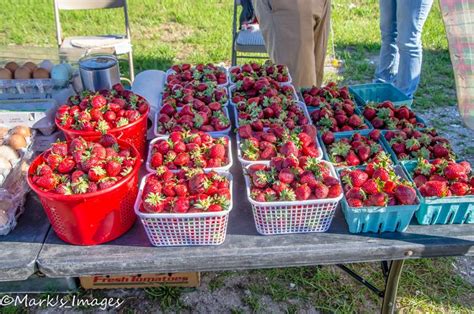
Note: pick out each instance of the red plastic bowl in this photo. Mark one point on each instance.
(92, 218)
(134, 133)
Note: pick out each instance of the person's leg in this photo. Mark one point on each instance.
(388, 60)
(411, 15)
(322, 20)
(287, 28)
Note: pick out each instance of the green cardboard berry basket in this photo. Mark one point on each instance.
(379, 92)
(379, 219)
(441, 211)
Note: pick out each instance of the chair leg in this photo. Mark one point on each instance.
(234, 57)
(130, 66)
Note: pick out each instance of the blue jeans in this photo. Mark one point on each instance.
(401, 23)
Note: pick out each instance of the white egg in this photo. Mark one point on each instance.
(46, 64)
(60, 75)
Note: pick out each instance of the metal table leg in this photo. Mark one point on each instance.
(391, 287)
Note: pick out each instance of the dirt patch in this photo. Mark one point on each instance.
(173, 32)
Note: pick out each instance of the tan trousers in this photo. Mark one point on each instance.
(296, 34)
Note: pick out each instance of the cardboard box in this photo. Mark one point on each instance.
(190, 279)
(27, 112)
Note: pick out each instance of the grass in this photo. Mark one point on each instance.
(169, 31)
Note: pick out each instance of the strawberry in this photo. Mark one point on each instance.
(321, 191)
(302, 192)
(181, 205)
(434, 188)
(378, 199)
(354, 202)
(381, 174)
(154, 203)
(405, 195)
(98, 101)
(459, 188)
(53, 160)
(113, 167)
(217, 151)
(334, 191)
(454, 171)
(181, 189)
(96, 173)
(59, 148)
(156, 160)
(358, 178)
(370, 187)
(286, 176)
(182, 159)
(107, 140)
(47, 182)
(66, 165)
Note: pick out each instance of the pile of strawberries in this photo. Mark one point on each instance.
(179, 95)
(182, 73)
(338, 117)
(277, 72)
(101, 111)
(189, 150)
(292, 179)
(270, 115)
(442, 178)
(264, 89)
(278, 141)
(191, 191)
(82, 167)
(413, 144)
(355, 150)
(377, 185)
(195, 117)
(386, 116)
(329, 94)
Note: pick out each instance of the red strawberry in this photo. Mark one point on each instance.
(156, 160)
(47, 182)
(321, 191)
(98, 101)
(66, 165)
(59, 148)
(375, 135)
(378, 199)
(358, 177)
(113, 167)
(182, 159)
(217, 151)
(453, 171)
(370, 187)
(434, 188)
(96, 173)
(405, 195)
(334, 191)
(53, 160)
(286, 176)
(154, 203)
(382, 174)
(181, 205)
(459, 188)
(181, 190)
(108, 140)
(354, 202)
(245, 131)
(420, 180)
(302, 192)
(355, 193)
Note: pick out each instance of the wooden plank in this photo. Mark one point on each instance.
(21, 247)
(244, 248)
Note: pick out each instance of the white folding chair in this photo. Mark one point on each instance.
(116, 44)
(245, 43)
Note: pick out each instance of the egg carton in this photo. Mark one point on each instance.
(26, 89)
(13, 192)
(23, 153)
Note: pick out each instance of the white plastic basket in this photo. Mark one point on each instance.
(171, 71)
(273, 218)
(229, 79)
(300, 104)
(245, 162)
(193, 229)
(213, 133)
(233, 87)
(225, 168)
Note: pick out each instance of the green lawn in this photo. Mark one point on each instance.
(168, 31)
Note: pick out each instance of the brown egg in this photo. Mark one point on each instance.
(17, 141)
(3, 132)
(23, 73)
(5, 74)
(22, 130)
(40, 73)
(12, 66)
(31, 65)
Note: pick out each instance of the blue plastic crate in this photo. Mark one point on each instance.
(379, 219)
(442, 211)
(338, 136)
(379, 92)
